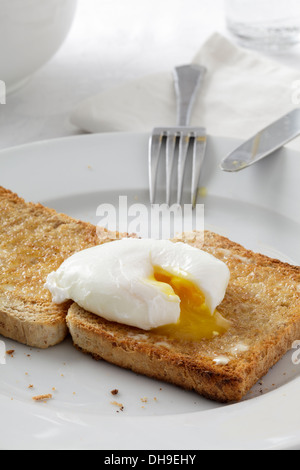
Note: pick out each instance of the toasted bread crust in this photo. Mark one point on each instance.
(34, 240)
(262, 303)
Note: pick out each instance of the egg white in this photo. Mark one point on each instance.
(115, 280)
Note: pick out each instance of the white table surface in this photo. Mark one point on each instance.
(111, 41)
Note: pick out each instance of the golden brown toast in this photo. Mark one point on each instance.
(262, 303)
(34, 241)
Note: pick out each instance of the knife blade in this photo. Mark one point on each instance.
(264, 143)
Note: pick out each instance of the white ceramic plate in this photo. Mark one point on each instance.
(258, 207)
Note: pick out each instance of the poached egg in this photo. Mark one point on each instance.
(170, 288)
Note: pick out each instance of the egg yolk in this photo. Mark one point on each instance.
(196, 322)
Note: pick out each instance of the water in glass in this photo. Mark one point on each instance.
(267, 24)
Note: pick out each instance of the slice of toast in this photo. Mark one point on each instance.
(262, 303)
(34, 241)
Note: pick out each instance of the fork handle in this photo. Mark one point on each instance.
(187, 80)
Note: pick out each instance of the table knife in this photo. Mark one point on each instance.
(264, 142)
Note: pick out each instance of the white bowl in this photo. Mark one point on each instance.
(31, 32)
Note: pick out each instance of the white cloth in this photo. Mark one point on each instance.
(243, 92)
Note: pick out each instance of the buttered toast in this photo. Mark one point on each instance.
(262, 303)
(34, 241)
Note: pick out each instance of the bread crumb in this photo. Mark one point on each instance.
(144, 400)
(10, 352)
(30, 386)
(118, 404)
(47, 396)
(115, 391)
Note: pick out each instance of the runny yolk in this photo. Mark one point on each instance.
(196, 321)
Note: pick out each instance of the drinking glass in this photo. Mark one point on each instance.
(266, 24)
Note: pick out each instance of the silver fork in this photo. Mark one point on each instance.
(187, 80)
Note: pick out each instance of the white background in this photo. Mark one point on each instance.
(111, 41)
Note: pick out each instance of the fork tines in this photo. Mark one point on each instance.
(173, 138)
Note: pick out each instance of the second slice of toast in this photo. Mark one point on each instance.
(262, 303)
(34, 241)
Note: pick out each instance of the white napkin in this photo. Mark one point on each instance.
(243, 92)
